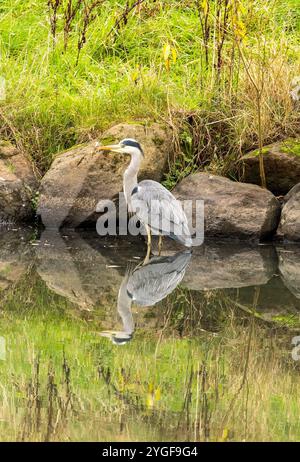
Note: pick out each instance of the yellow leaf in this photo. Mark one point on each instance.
(157, 394)
(166, 51)
(135, 75)
(149, 401)
(204, 5)
(239, 28)
(224, 436)
(150, 387)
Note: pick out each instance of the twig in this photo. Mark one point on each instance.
(124, 16)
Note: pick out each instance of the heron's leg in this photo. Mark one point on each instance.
(147, 258)
(160, 241)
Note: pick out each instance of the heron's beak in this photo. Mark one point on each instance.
(110, 147)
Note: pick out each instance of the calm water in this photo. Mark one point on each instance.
(94, 346)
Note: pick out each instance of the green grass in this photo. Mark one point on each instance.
(291, 147)
(52, 104)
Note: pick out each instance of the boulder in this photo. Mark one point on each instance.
(18, 185)
(289, 227)
(231, 209)
(223, 266)
(81, 177)
(282, 166)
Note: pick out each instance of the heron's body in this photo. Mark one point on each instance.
(150, 284)
(156, 207)
(161, 211)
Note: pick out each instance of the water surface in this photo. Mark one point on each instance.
(197, 347)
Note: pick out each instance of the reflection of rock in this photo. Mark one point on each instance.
(272, 300)
(289, 227)
(17, 185)
(81, 177)
(82, 270)
(225, 266)
(231, 209)
(15, 257)
(289, 267)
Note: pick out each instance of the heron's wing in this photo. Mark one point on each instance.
(156, 206)
(151, 283)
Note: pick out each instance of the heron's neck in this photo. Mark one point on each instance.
(124, 308)
(130, 176)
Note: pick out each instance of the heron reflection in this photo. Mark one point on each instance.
(145, 286)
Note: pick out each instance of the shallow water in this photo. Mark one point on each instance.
(94, 346)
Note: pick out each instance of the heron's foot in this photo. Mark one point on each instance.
(146, 260)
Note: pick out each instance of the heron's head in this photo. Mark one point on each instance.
(126, 146)
(117, 338)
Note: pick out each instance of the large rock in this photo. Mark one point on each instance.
(231, 209)
(282, 166)
(289, 227)
(18, 185)
(79, 178)
(223, 266)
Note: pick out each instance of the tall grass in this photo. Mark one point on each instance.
(53, 101)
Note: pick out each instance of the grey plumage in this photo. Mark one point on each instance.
(156, 206)
(151, 283)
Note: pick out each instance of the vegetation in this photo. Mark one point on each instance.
(218, 71)
(205, 371)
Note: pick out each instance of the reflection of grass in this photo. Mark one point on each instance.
(289, 320)
(6, 269)
(62, 382)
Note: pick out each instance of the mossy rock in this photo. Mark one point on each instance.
(7, 149)
(281, 162)
(291, 147)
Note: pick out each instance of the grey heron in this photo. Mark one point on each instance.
(155, 207)
(145, 286)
